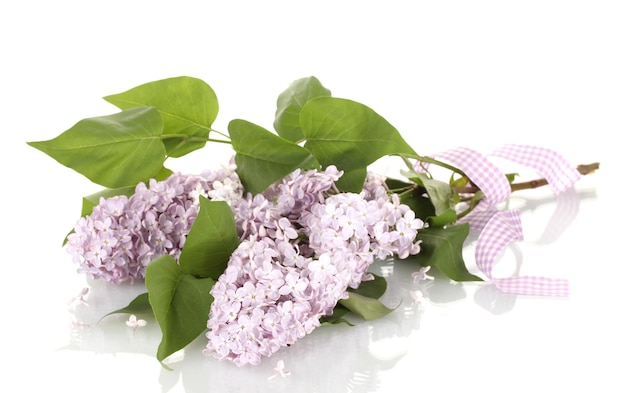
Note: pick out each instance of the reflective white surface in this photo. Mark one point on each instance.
(475, 74)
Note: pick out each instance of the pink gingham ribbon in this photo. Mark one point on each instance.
(559, 173)
(499, 228)
(503, 228)
(482, 172)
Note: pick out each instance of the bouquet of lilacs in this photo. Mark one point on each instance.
(279, 240)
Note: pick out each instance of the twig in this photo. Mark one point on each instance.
(584, 169)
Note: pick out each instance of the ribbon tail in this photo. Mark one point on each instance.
(503, 228)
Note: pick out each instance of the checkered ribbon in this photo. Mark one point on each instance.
(551, 165)
(499, 228)
(482, 172)
(502, 228)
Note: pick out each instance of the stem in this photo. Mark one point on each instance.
(442, 164)
(188, 138)
(220, 133)
(403, 192)
(584, 169)
(218, 141)
(473, 202)
(432, 161)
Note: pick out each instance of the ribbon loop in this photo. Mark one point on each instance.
(481, 172)
(498, 228)
(559, 173)
(502, 228)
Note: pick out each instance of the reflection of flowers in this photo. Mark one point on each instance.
(421, 275)
(135, 323)
(80, 298)
(357, 369)
(279, 370)
(361, 353)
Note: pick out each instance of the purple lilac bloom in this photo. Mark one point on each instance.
(123, 234)
(304, 245)
(260, 303)
(298, 191)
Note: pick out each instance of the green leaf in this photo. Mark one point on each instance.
(114, 151)
(372, 288)
(437, 207)
(180, 301)
(138, 306)
(421, 206)
(459, 182)
(212, 239)
(447, 217)
(443, 248)
(290, 103)
(362, 301)
(92, 200)
(352, 180)
(511, 177)
(440, 193)
(413, 197)
(348, 134)
(263, 157)
(187, 105)
(163, 174)
(337, 316)
(366, 307)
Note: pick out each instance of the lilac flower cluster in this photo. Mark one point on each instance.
(123, 234)
(304, 244)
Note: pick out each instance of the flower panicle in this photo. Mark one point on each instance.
(303, 244)
(305, 247)
(123, 234)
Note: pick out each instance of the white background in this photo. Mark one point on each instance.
(445, 73)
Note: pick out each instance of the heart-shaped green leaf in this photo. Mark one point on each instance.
(211, 240)
(372, 288)
(180, 302)
(114, 151)
(348, 134)
(352, 180)
(263, 157)
(443, 248)
(337, 316)
(92, 200)
(187, 105)
(290, 103)
(366, 307)
(440, 193)
(138, 306)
